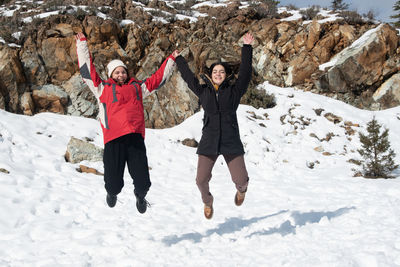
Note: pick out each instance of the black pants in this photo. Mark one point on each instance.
(128, 149)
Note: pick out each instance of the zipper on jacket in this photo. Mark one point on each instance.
(220, 124)
(220, 132)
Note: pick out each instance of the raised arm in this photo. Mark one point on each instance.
(245, 69)
(188, 76)
(86, 67)
(158, 79)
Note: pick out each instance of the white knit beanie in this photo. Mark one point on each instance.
(113, 65)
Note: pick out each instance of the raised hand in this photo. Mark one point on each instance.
(79, 36)
(175, 53)
(248, 39)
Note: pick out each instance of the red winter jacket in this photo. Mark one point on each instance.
(120, 107)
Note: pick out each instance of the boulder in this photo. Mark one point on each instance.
(50, 98)
(362, 64)
(34, 69)
(12, 82)
(58, 58)
(79, 150)
(191, 142)
(81, 102)
(388, 94)
(300, 69)
(314, 31)
(86, 169)
(27, 105)
(171, 104)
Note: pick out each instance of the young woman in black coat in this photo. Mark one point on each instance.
(220, 97)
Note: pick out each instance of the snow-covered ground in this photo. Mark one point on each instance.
(293, 215)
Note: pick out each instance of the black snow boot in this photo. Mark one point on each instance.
(111, 200)
(141, 203)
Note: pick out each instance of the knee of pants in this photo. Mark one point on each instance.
(202, 180)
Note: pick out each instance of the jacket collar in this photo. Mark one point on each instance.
(209, 82)
(130, 80)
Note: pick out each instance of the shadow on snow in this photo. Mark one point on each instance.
(232, 225)
(301, 219)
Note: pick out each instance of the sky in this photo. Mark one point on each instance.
(382, 8)
(303, 206)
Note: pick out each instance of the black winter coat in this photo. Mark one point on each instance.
(220, 125)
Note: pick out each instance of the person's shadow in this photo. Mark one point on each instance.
(232, 225)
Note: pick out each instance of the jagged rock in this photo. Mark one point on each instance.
(34, 68)
(363, 63)
(301, 68)
(81, 100)
(171, 105)
(319, 149)
(314, 31)
(86, 169)
(12, 82)
(333, 118)
(58, 58)
(389, 92)
(79, 150)
(190, 142)
(50, 98)
(318, 111)
(349, 130)
(349, 123)
(27, 105)
(4, 171)
(99, 31)
(2, 102)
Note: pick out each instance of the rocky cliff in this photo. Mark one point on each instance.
(356, 63)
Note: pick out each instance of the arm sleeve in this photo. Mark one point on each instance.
(87, 69)
(158, 79)
(245, 70)
(188, 76)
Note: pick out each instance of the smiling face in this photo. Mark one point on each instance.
(120, 75)
(218, 74)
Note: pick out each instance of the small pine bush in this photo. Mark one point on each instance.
(396, 17)
(265, 8)
(378, 158)
(4, 2)
(292, 7)
(351, 17)
(339, 5)
(310, 13)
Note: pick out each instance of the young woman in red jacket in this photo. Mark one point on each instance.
(121, 115)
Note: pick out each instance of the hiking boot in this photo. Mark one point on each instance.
(239, 198)
(208, 211)
(111, 200)
(141, 203)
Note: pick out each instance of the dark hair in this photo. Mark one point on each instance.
(226, 66)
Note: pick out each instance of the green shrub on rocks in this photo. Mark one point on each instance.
(258, 98)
